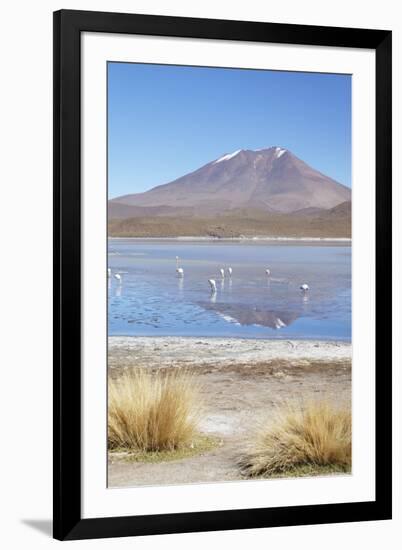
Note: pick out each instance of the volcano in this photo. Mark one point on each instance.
(268, 180)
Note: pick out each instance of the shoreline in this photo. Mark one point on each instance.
(155, 351)
(240, 239)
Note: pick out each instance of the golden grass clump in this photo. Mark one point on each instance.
(309, 438)
(152, 412)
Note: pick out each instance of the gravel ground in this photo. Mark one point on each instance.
(242, 382)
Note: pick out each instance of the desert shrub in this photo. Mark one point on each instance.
(316, 435)
(152, 412)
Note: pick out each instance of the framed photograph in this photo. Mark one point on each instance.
(222, 220)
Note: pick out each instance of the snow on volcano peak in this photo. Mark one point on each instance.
(279, 152)
(228, 156)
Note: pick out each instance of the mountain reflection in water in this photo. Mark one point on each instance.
(252, 315)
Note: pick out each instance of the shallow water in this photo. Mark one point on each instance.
(151, 300)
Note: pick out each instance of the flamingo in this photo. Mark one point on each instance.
(118, 277)
(267, 272)
(212, 284)
(230, 271)
(304, 287)
(180, 272)
(222, 272)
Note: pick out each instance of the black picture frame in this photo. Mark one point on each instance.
(68, 522)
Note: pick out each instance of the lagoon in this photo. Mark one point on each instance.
(152, 301)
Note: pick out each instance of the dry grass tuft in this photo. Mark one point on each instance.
(317, 436)
(153, 412)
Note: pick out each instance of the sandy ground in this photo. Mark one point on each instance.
(242, 382)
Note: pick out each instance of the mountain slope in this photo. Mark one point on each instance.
(271, 180)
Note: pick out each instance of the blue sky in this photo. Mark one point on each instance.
(165, 121)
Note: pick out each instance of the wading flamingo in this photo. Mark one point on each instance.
(212, 284)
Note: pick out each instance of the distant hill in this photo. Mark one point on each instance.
(264, 192)
(335, 222)
(118, 210)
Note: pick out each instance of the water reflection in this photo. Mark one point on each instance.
(152, 301)
(253, 315)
